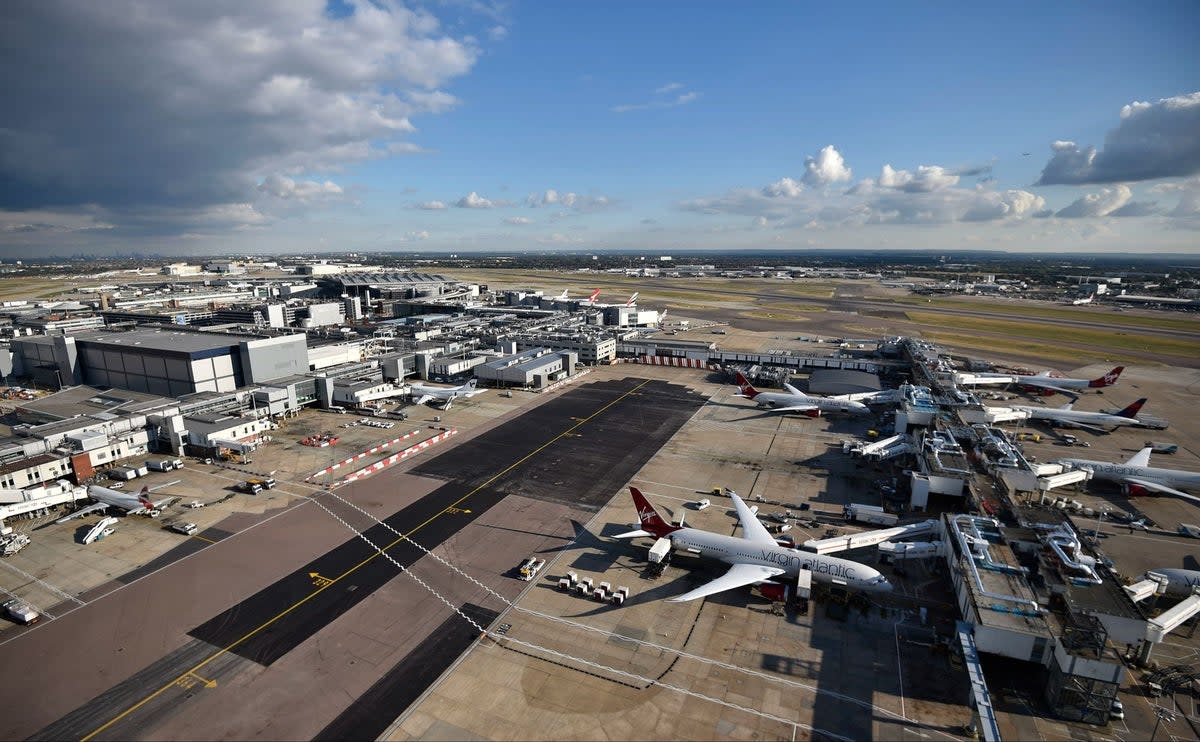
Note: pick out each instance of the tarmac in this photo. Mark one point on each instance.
(335, 634)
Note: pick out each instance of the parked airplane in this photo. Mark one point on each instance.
(1080, 302)
(794, 400)
(1179, 581)
(754, 557)
(560, 297)
(446, 395)
(139, 504)
(1047, 383)
(1139, 478)
(1079, 418)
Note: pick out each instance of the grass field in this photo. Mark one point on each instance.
(29, 288)
(1008, 347)
(1050, 337)
(1056, 312)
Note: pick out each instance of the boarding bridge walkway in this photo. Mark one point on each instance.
(882, 450)
(869, 538)
(981, 701)
(1157, 628)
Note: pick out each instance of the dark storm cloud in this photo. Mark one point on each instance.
(182, 110)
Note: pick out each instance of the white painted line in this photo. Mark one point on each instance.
(60, 593)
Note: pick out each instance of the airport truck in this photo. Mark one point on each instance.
(530, 567)
(164, 464)
(870, 514)
(21, 612)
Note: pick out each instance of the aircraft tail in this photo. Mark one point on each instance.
(144, 498)
(1108, 379)
(562, 296)
(470, 384)
(745, 387)
(651, 521)
(595, 295)
(1133, 409)
(632, 300)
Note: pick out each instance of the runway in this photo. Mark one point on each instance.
(291, 639)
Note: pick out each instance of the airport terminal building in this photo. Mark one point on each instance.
(170, 363)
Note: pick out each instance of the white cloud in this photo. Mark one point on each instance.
(1103, 203)
(682, 99)
(925, 197)
(1189, 196)
(280, 186)
(431, 205)
(826, 168)
(783, 188)
(568, 200)
(498, 33)
(518, 220)
(1151, 141)
(1137, 208)
(558, 238)
(927, 178)
(474, 201)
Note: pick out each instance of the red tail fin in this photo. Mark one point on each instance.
(1108, 379)
(649, 517)
(745, 387)
(1133, 409)
(144, 498)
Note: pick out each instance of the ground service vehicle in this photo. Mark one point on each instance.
(21, 612)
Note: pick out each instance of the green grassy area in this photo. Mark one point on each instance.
(1055, 312)
(1068, 357)
(1052, 337)
(27, 287)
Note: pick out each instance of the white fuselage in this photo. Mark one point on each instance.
(736, 550)
(824, 404)
(1074, 416)
(1179, 581)
(1177, 478)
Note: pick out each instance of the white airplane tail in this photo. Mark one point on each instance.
(632, 300)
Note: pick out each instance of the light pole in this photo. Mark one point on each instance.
(1163, 714)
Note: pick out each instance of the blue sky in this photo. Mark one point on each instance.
(292, 126)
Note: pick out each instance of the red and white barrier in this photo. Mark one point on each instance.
(363, 455)
(672, 361)
(394, 458)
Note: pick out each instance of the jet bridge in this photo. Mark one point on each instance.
(1157, 628)
(882, 450)
(1154, 584)
(869, 538)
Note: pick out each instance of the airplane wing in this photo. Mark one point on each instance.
(1161, 489)
(1092, 428)
(738, 575)
(82, 512)
(423, 399)
(793, 390)
(752, 529)
(1141, 458)
(1037, 383)
(795, 408)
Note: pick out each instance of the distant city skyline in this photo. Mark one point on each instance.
(299, 126)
